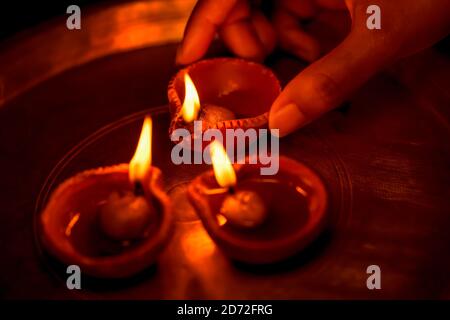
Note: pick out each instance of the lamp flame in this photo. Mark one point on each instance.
(223, 170)
(191, 103)
(142, 159)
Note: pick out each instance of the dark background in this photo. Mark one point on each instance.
(16, 16)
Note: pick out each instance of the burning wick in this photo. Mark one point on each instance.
(192, 110)
(243, 208)
(126, 216)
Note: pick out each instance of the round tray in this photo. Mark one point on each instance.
(384, 158)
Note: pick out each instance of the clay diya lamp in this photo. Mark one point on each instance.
(222, 93)
(112, 222)
(259, 219)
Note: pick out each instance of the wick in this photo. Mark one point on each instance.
(231, 190)
(138, 189)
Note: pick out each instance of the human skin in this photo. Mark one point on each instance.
(407, 27)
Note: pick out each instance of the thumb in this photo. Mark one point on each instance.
(329, 81)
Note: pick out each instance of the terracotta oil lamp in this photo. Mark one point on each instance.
(223, 93)
(259, 219)
(112, 221)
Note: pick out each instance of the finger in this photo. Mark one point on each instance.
(205, 20)
(292, 38)
(328, 82)
(303, 9)
(265, 31)
(239, 34)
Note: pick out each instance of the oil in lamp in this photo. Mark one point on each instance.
(259, 219)
(232, 93)
(111, 221)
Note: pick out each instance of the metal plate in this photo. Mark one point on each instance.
(384, 157)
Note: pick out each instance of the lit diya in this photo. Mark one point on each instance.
(259, 219)
(111, 221)
(222, 93)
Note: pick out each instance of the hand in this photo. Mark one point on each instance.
(407, 27)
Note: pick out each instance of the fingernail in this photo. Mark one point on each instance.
(287, 119)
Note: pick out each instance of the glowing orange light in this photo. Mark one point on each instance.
(142, 159)
(71, 224)
(191, 103)
(223, 170)
(221, 220)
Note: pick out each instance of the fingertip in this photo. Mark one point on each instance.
(286, 118)
(241, 38)
(309, 54)
(295, 40)
(264, 31)
(200, 30)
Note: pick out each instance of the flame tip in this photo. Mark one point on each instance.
(191, 103)
(141, 162)
(223, 170)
